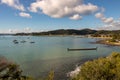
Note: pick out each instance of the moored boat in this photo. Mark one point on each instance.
(81, 49)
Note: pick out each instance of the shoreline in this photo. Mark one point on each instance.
(106, 42)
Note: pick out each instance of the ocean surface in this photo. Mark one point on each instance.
(50, 53)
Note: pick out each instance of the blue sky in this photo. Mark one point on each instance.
(40, 15)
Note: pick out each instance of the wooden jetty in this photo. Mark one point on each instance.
(81, 49)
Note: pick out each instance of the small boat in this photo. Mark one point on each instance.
(23, 41)
(81, 49)
(32, 42)
(15, 42)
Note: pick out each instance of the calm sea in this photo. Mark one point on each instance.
(50, 53)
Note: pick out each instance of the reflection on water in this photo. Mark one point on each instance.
(50, 53)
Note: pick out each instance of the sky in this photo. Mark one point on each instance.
(43, 15)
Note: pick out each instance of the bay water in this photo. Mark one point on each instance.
(50, 53)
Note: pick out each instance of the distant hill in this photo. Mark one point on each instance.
(4, 34)
(71, 32)
(62, 32)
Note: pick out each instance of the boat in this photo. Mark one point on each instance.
(81, 49)
(15, 42)
(23, 41)
(32, 42)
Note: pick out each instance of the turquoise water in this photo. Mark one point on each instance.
(50, 53)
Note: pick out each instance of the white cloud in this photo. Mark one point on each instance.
(99, 15)
(103, 18)
(109, 23)
(26, 15)
(14, 3)
(115, 26)
(62, 8)
(108, 20)
(76, 17)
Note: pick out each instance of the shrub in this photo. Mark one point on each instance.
(101, 69)
(13, 72)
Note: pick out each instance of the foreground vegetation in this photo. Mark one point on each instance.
(101, 69)
(107, 68)
(13, 72)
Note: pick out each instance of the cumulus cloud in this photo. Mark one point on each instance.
(109, 27)
(103, 18)
(26, 15)
(108, 20)
(13, 3)
(110, 23)
(76, 17)
(72, 9)
(99, 15)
